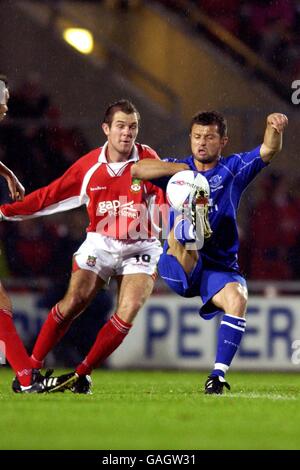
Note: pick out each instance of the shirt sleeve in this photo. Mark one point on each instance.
(163, 181)
(249, 164)
(60, 195)
(148, 152)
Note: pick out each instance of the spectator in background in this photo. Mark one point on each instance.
(223, 12)
(272, 251)
(32, 257)
(29, 100)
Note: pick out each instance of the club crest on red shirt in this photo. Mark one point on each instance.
(135, 185)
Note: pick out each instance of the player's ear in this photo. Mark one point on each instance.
(105, 128)
(224, 141)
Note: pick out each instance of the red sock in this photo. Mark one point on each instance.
(109, 338)
(14, 349)
(52, 331)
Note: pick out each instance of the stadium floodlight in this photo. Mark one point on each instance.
(81, 39)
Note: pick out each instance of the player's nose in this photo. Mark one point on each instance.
(127, 131)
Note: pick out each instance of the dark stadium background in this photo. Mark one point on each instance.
(171, 58)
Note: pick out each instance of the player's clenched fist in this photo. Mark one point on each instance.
(16, 189)
(278, 121)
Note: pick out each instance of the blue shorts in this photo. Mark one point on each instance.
(205, 280)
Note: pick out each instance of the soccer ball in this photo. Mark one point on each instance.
(183, 186)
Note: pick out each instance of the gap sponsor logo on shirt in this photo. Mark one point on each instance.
(117, 208)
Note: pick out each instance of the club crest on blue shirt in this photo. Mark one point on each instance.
(215, 181)
(135, 185)
(91, 261)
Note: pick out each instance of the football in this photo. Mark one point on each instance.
(182, 186)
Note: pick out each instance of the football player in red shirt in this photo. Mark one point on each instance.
(121, 238)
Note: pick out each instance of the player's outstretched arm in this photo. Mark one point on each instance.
(276, 123)
(16, 189)
(62, 194)
(148, 169)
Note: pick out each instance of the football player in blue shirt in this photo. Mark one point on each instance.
(209, 267)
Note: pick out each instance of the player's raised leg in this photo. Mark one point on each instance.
(180, 264)
(182, 244)
(232, 299)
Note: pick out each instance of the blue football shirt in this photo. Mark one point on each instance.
(227, 181)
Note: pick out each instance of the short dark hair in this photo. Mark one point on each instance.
(122, 105)
(208, 118)
(3, 78)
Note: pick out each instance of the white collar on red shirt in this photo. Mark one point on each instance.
(134, 157)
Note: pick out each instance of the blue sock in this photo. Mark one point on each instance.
(184, 232)
(229, 337)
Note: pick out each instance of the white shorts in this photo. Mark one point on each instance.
(109, 257)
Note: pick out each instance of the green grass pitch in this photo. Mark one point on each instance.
(155, 410)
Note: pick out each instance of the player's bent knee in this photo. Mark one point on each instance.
(234, 300)
(129, 311)
(74, 304)
(134, 306)
(6, 304)
(5, 301)
(238, 304)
